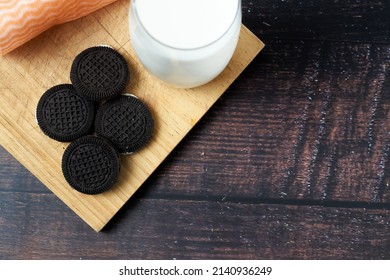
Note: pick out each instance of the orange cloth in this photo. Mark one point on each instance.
(22, 20)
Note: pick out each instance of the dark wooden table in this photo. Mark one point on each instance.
(292, 163)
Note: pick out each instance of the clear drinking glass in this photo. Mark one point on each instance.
(190, 55)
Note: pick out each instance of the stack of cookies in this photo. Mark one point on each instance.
(97, 117)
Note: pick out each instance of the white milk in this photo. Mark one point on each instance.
(185, 43)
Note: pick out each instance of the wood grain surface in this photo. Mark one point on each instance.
(175, 111)
(291, 163)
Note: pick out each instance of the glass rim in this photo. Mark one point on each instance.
(134, 9)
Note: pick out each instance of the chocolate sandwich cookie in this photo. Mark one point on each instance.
(100, 73)
(126, 122)
(64, 115)
(91, 165)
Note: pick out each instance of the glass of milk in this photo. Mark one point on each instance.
(185, 43)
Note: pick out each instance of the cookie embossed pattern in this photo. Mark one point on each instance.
(91, 164)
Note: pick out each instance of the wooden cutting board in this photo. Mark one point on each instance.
(45, 61)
